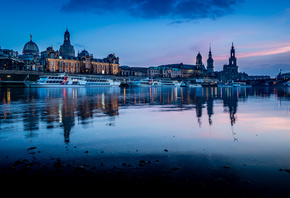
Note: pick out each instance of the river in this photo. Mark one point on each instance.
(225, 134)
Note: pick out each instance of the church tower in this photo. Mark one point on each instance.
(230, 72)
(66, 37)
(66, 49)
(199, 60)
(233, 59)
(210, 67)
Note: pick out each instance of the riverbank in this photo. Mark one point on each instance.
(138, 175)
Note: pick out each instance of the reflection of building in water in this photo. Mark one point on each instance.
(230, 100)
(64, 108)
(179, 99)
(199, 106)
(61, 110)
(209, 107)
(31, 116)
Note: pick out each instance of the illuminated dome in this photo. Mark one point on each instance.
(30, 48)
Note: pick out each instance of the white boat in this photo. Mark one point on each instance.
(236, 84)
(116, 83)
(243, 84)
(146, 83)
(225, 85)
(63, 81)
(287, 84)
(169, 83)
(188, 84)
(195, 85)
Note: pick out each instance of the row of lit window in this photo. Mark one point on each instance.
(96, 80)
(98, 83)
(56, 77)
(54, 82)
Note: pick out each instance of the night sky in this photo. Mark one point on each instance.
(152, 33)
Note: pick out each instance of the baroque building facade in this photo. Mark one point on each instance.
(65, 60)
(164, 72)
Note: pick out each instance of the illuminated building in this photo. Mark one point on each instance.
(30, 56)
(64, 60)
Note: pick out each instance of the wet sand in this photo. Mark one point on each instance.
(137, 175)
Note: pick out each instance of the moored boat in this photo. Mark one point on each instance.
(195, 85)
(225, 85)
(169, 83)
(63, 81)
(287, 84)
(146, 83)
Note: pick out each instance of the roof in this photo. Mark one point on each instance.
(30, 48)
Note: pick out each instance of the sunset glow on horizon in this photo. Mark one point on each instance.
(158, 33)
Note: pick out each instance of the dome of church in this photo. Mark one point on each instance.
(66, 49)
(84, 53)
(30, 48)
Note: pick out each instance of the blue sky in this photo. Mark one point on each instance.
(151, 33)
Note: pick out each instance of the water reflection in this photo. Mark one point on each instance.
(54, 108)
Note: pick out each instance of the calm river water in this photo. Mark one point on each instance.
(244, 130)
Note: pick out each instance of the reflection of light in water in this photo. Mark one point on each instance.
(8, 96)
(181, 93)
(124, 95)
(75, 93)
(175, 91)
(60, 111)
(103, 101)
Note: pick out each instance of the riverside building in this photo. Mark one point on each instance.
(62, 60)
(65, 60)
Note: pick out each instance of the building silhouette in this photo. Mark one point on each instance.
(66, 49)
(210, 61)
(230, 71)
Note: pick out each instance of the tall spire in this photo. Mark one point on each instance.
(30, 37)
(233, 52)
(233, 59)
(209, 53)
(210, 67)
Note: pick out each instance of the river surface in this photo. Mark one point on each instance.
(246, 130)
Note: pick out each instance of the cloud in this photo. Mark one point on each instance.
(151, 9)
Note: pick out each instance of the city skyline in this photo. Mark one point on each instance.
(157, 33)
